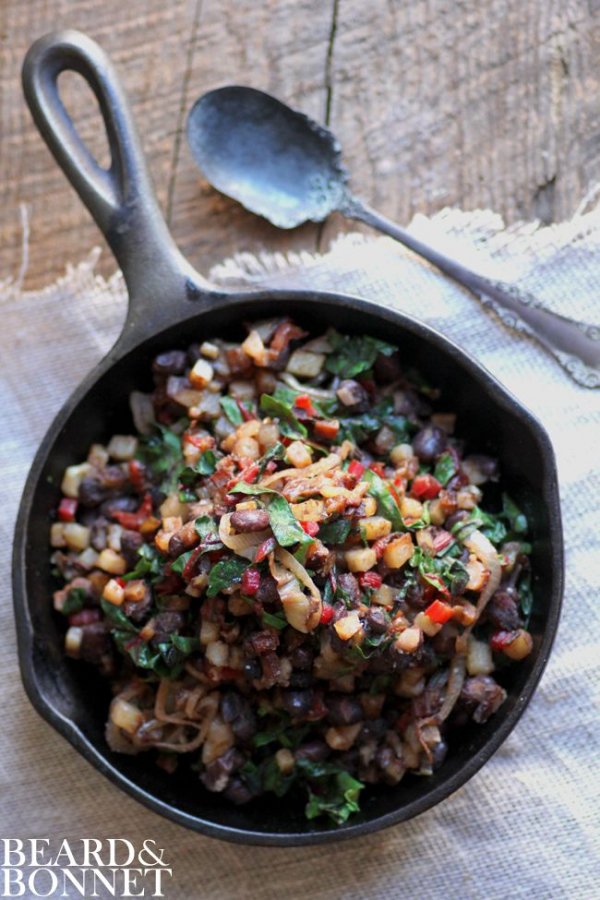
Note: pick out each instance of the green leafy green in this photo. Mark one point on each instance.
(284, 524)
(117, 617)
(525, 595)
(161, 453)
(150, 562)
(231, 410)
(206, 465)
(445, 468)
(335, 531)
(225, 573)
(358, 428)
(448, 570)
(275, 621)
(206, 527)
(277, 451)
(513, 515)
(386, 504)
(279, 409)
(336, 793)
(354, 354)
(74, 601)
(179, 564)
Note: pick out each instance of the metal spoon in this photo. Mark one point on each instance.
(284, 166)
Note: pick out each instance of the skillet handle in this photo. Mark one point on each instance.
(120, 198)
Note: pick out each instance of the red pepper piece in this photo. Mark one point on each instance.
(356, 469)
(327, 429)
(439, 612)
(326, 615)
(441, 540)
(133, 521)
(501, 639)
(188, 570)
(137, 474)
(264, 549)
(67, 508)
(378, 468)
(310, 528)
(437, 584)
(425, 487)
(303, 401)
(370, 580)
(250, 582)
(249, 474)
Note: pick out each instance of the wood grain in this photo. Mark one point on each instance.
(436, 103)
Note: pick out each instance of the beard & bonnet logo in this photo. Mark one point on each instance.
(87, 867)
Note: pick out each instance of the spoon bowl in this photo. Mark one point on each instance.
(275, 161)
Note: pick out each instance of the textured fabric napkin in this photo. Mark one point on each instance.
(528, 823)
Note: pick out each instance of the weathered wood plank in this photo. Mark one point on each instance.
(436, 102)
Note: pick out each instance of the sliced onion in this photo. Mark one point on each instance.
(317, 468)
(455, 685)
(301, 611)
(487, 554)
(243, 544)
(142, 411)
(317, 393)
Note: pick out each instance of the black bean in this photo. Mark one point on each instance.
(252, 669)
(216, 776)
(353, 396)
(92, 492)
(430, 442)
(297, 703)
(348, 588)
(373, 728)
(245, 520)
(454, 518)
(377, 620)
(95, 642)
(415, 596)
(245, 726)
(113, 478)
(502, 610)
(267, 590)
(131, 541)
(343, 709)
(438, 754)
(138, 610)
(387, 368)
(481, 696)
(300, 680)
(119, 504)
(171, 363)
(165, 624)
(232, 706)
(238, 792)
(302, 657)
(313, 751)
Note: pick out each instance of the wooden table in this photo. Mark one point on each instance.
(436, 102)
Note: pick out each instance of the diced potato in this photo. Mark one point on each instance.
(285, 761)
(299, 455)
(172, 523)
(268, 435)
(57, 534)
(217, 653)
(206, 405)
(341, 737)
(73, 477)
(114, 593)
(411, 683)
(309, 511)
(112, 562)
(398, 551)
(122, 447)
(77, 537)
(254, 348)
(201, 374)
(360, 559)
(348, 626)
(465, 613)
(446, 421)
(242, 390)
(98, 455)
(237, 606)
(437, 514)
(369, 505)
(148, 631)
(478, 574)
(88, 559)
(113, 537)
(479, 657)
(125, 715)
(411, 509)
(384, 596)
(305, 364)
(375, 527)
(426, 625)
(247, 447)
(220, 738)
(246, 504)
(73, 639)
(135, 591)
(401, 453)
(468, 497)
(409, 640)
(520, 647)
(208, 350)
(209, 632)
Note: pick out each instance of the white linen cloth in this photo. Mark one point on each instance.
(528, 824)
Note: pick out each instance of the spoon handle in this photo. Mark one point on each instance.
(576, 345)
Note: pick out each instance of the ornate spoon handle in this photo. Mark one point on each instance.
(575, 345)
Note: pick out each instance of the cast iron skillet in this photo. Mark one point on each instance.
(169, 305)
